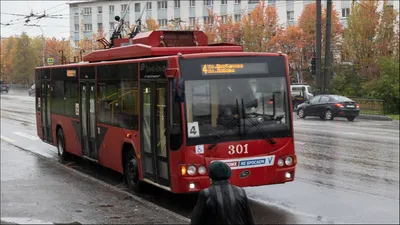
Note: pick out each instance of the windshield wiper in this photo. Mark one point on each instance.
(221, 134)
(263, 133)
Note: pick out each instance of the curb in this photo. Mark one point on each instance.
(374, 117)
(143, 201)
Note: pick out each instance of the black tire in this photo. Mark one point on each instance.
(131, 173)
(351, 118)
(322, 117)
(61, 145)
(328, 115)
(301, 113)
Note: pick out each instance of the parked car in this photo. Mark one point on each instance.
(328, 107)
(31, 90)
(3, 86)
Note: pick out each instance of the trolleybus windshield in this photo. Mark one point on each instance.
(219, 90)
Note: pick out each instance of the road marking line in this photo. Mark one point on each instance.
(299, 142)
(7, 139)
(26, 135)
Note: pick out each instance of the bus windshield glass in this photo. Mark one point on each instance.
(235, 96)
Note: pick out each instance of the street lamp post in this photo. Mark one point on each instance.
(43, 42)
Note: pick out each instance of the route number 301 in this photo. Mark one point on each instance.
(238, 149)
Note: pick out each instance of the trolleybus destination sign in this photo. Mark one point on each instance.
(234, 68)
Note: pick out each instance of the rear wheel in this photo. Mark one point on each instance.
(61, 145)
(301, 113)
(351, 118)
(328, 115)
(131, 173)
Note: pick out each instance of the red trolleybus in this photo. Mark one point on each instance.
(161, 107)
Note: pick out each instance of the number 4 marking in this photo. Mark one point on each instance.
(193, 129)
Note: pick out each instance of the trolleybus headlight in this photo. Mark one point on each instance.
(289, 161)
(191, 170)
(192, 185)
(288, 175)
(202, 170)
(281, 162)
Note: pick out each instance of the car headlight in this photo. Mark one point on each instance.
(191, 170)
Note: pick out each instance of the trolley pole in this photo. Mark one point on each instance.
(318, 49)
(328, 60)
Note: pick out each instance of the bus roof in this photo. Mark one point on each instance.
(160, 43)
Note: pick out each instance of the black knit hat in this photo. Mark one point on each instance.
(218, 170)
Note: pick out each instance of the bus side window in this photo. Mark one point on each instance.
(118, 95)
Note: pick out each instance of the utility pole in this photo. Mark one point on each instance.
(80, 52)
(62, 56)
(43, 45)
(328, 60)
(318, 49)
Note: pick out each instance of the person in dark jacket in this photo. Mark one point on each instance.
(222, 203)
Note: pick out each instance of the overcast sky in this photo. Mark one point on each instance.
(51, 27)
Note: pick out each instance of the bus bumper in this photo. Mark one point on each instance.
(256, 177)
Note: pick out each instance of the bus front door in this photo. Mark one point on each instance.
(88, 120)
(154, 114)
(46, 116)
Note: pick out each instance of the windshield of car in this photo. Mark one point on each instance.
(341, 98)
(212, 105)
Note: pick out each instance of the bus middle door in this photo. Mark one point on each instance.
(46, 116)
(88, 119)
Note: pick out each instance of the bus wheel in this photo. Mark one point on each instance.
(61, 145)
(132, 175)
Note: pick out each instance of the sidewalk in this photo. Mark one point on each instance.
(35, 190)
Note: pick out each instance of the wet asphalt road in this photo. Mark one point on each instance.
(347, 172)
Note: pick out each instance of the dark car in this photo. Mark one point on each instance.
(328, 107)
(3, 86)
(31, 90)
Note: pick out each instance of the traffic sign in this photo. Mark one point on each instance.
(50, 61)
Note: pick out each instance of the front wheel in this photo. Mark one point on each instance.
(351, 118)
(132, 175)
(301, 113)
(328, 115)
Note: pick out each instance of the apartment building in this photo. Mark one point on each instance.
(87, 17)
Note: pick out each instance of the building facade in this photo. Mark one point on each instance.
(88, 17)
